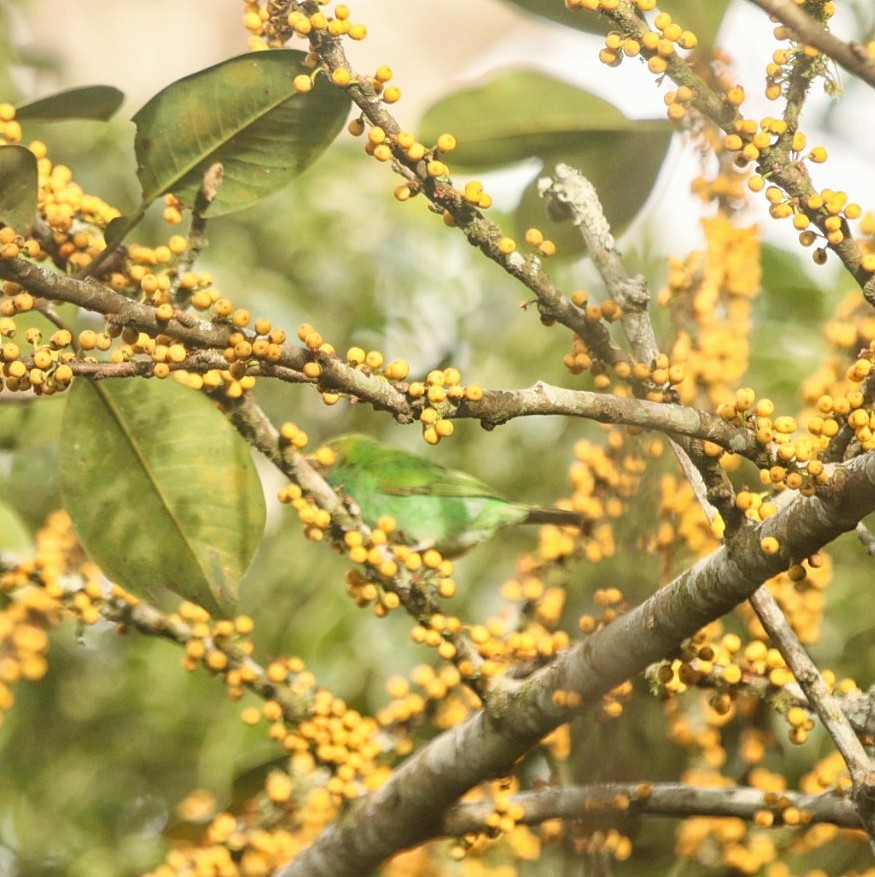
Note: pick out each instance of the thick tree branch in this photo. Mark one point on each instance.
(410, 807)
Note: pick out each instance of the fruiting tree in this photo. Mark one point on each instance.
(173, 559)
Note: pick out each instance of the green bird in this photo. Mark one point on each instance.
(433, 506)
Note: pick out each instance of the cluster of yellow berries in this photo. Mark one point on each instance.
(289, 815)
(830, 209)
(749, 140)
(612, 605)
(13, 245)
(721, 661)
(269, 30)
(46, 369)
(682, 521)
(851, 331)
(658, 46)
(69, 212)
(503, 822)
(603, 479)
(678, 101)
(10, 127)
(830, 774)
(38, 594)
(383, 145)
(439, 632)
(706, 656)
(801, 593)
(441, 390)
(233, 848)
(210, 643)
(606, 843)
(327, 733)
(777, 73)
(727, 840)
(437, 692)
(151, 274)
(795, 461)
(24, 641)
(383, 557)
(370, 362)
(715, 289)
(506, 813)
(316, 520)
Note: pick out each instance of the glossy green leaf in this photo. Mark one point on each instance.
(160, 488)
(18, 187)
(243, 114)
(98, 102)
(703, 19)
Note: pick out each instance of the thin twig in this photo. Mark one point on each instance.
(850, 55)
(835, 722)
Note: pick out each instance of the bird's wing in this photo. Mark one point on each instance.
(406, 476)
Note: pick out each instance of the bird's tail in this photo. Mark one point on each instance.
(557, 517)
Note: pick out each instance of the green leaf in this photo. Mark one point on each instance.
(88, 102)
(787, 289)
(590, 22)
(116, 230)
(243, 113)
(160, 488)
(703, 19)
(620, 156)
(19, 183)
(493, 128)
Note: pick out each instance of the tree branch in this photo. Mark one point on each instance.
(654, 799)
(410, 807)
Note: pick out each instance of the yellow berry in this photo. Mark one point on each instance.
(770, 545)
(302, 83)
(735, 96)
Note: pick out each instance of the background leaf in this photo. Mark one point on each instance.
(14, 535)
(493, 129)
(18, 187)
(703, 19)
(244, 113)
(160, 489)
(98, 102)
(620, 156)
